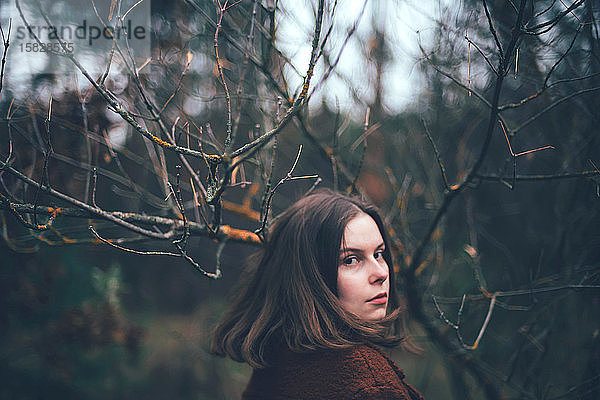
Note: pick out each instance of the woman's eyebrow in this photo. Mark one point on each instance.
(352, 249)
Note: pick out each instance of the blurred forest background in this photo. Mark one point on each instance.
(473, 125)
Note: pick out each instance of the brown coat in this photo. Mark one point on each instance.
(360, 372)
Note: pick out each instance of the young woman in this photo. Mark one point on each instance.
(316, 301)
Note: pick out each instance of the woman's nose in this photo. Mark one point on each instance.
(379, 271)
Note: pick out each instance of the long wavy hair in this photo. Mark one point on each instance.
(288, 294)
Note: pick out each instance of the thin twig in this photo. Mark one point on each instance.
(535, 30)
(522, 152)
(437, 155)
(95, 180)
(288, 177)
(45, 176)
(269, 183)
(542, 90)
(493, 30)
(485, 57)
(221, 10)
(551, 106)
(363, 139)
(572, 175)
(218, 257)
(240, 86)
(332, 66)
(186, 68)
(181, 207)
(182, 254)
(453, 79)
(468, 53)
(6, 204)
(138, 252)
(6, 43)
(518, 292)
(456, 326)
(485, 324)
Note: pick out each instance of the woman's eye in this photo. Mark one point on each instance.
(350, 261)
(379, 255)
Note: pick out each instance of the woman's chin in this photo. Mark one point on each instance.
(375, 315)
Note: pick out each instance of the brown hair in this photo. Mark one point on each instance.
(289, 297)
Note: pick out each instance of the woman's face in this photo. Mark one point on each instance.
(362, 278)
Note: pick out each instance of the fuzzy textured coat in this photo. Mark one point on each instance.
(360, 372)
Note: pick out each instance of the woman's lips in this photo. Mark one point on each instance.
(381, 298)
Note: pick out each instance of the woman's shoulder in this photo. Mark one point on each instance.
(348, 373)
(373, 358)
(366, 360)
(373, 365)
